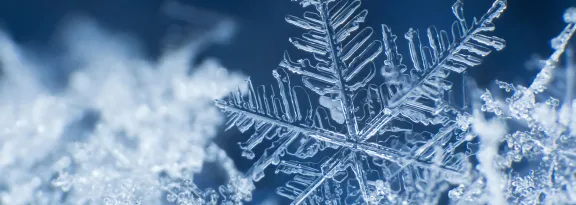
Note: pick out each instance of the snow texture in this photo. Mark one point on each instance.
(122, 130)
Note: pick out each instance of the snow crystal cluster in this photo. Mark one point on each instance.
(537, 164)
(122, 130)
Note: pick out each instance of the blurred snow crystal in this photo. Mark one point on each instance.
(541, 128)
(121, 130)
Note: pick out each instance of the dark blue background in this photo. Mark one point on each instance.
(262, 33)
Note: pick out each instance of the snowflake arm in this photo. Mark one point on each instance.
(337, 72)
(464, 51)
(559, 45)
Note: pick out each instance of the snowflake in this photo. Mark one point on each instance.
(356, 140)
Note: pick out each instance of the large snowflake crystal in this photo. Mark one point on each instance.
(371, 132)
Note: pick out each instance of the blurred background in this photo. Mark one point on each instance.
(261, 35)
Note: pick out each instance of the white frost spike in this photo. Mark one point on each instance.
(559, 45)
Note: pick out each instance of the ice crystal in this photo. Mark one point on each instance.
(120, 124)
(358, 137)
(541, 130)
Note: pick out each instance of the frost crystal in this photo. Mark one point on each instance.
(537, 161)
(358, 137)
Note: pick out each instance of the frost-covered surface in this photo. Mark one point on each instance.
(358, 126)
(123, 129)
